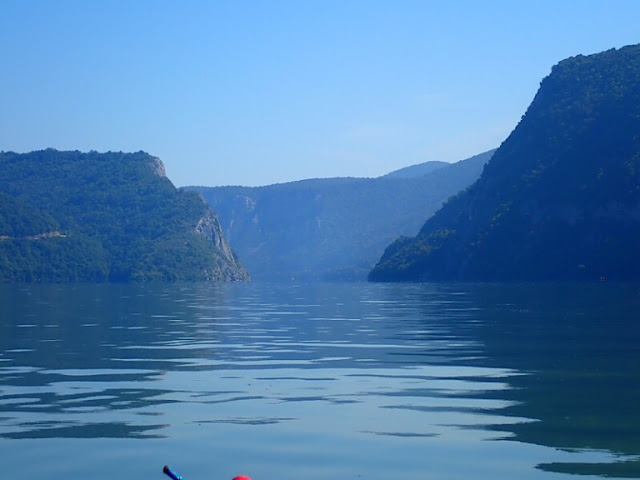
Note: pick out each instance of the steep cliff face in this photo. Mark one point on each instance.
(157, 167)
(117, 216)
(559, 199)
(208, 226)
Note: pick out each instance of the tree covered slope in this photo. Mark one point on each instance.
(72, 216)
(559, 200)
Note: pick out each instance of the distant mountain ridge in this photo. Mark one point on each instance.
(559, 200)
(72, 216)
(336, 228)
(416, 170)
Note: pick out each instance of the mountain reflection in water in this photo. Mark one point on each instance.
(579, 347)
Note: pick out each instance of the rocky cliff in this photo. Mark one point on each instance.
(230, 268)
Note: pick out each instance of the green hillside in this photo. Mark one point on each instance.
(559, 200)
(18, 219)
(72, 216)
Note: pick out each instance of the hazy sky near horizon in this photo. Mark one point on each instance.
(246, 92)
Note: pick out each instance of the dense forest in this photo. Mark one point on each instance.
(72, 216)
(336, 228)
(559, 200)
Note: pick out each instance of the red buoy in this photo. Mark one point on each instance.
(241, 477)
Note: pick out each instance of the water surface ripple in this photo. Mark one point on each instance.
(320, 381)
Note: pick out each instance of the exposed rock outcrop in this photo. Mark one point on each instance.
(208, 226)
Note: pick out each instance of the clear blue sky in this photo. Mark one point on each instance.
(260, 92)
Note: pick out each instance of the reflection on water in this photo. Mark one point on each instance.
(320, 380)
(580, 348)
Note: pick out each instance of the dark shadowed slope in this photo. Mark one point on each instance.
(560, 199)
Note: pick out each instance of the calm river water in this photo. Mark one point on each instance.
(320, 381)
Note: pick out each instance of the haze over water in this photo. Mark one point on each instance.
(319, 381)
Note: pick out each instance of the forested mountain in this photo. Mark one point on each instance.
(72, 216)
(559, 200)
(332, 228)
